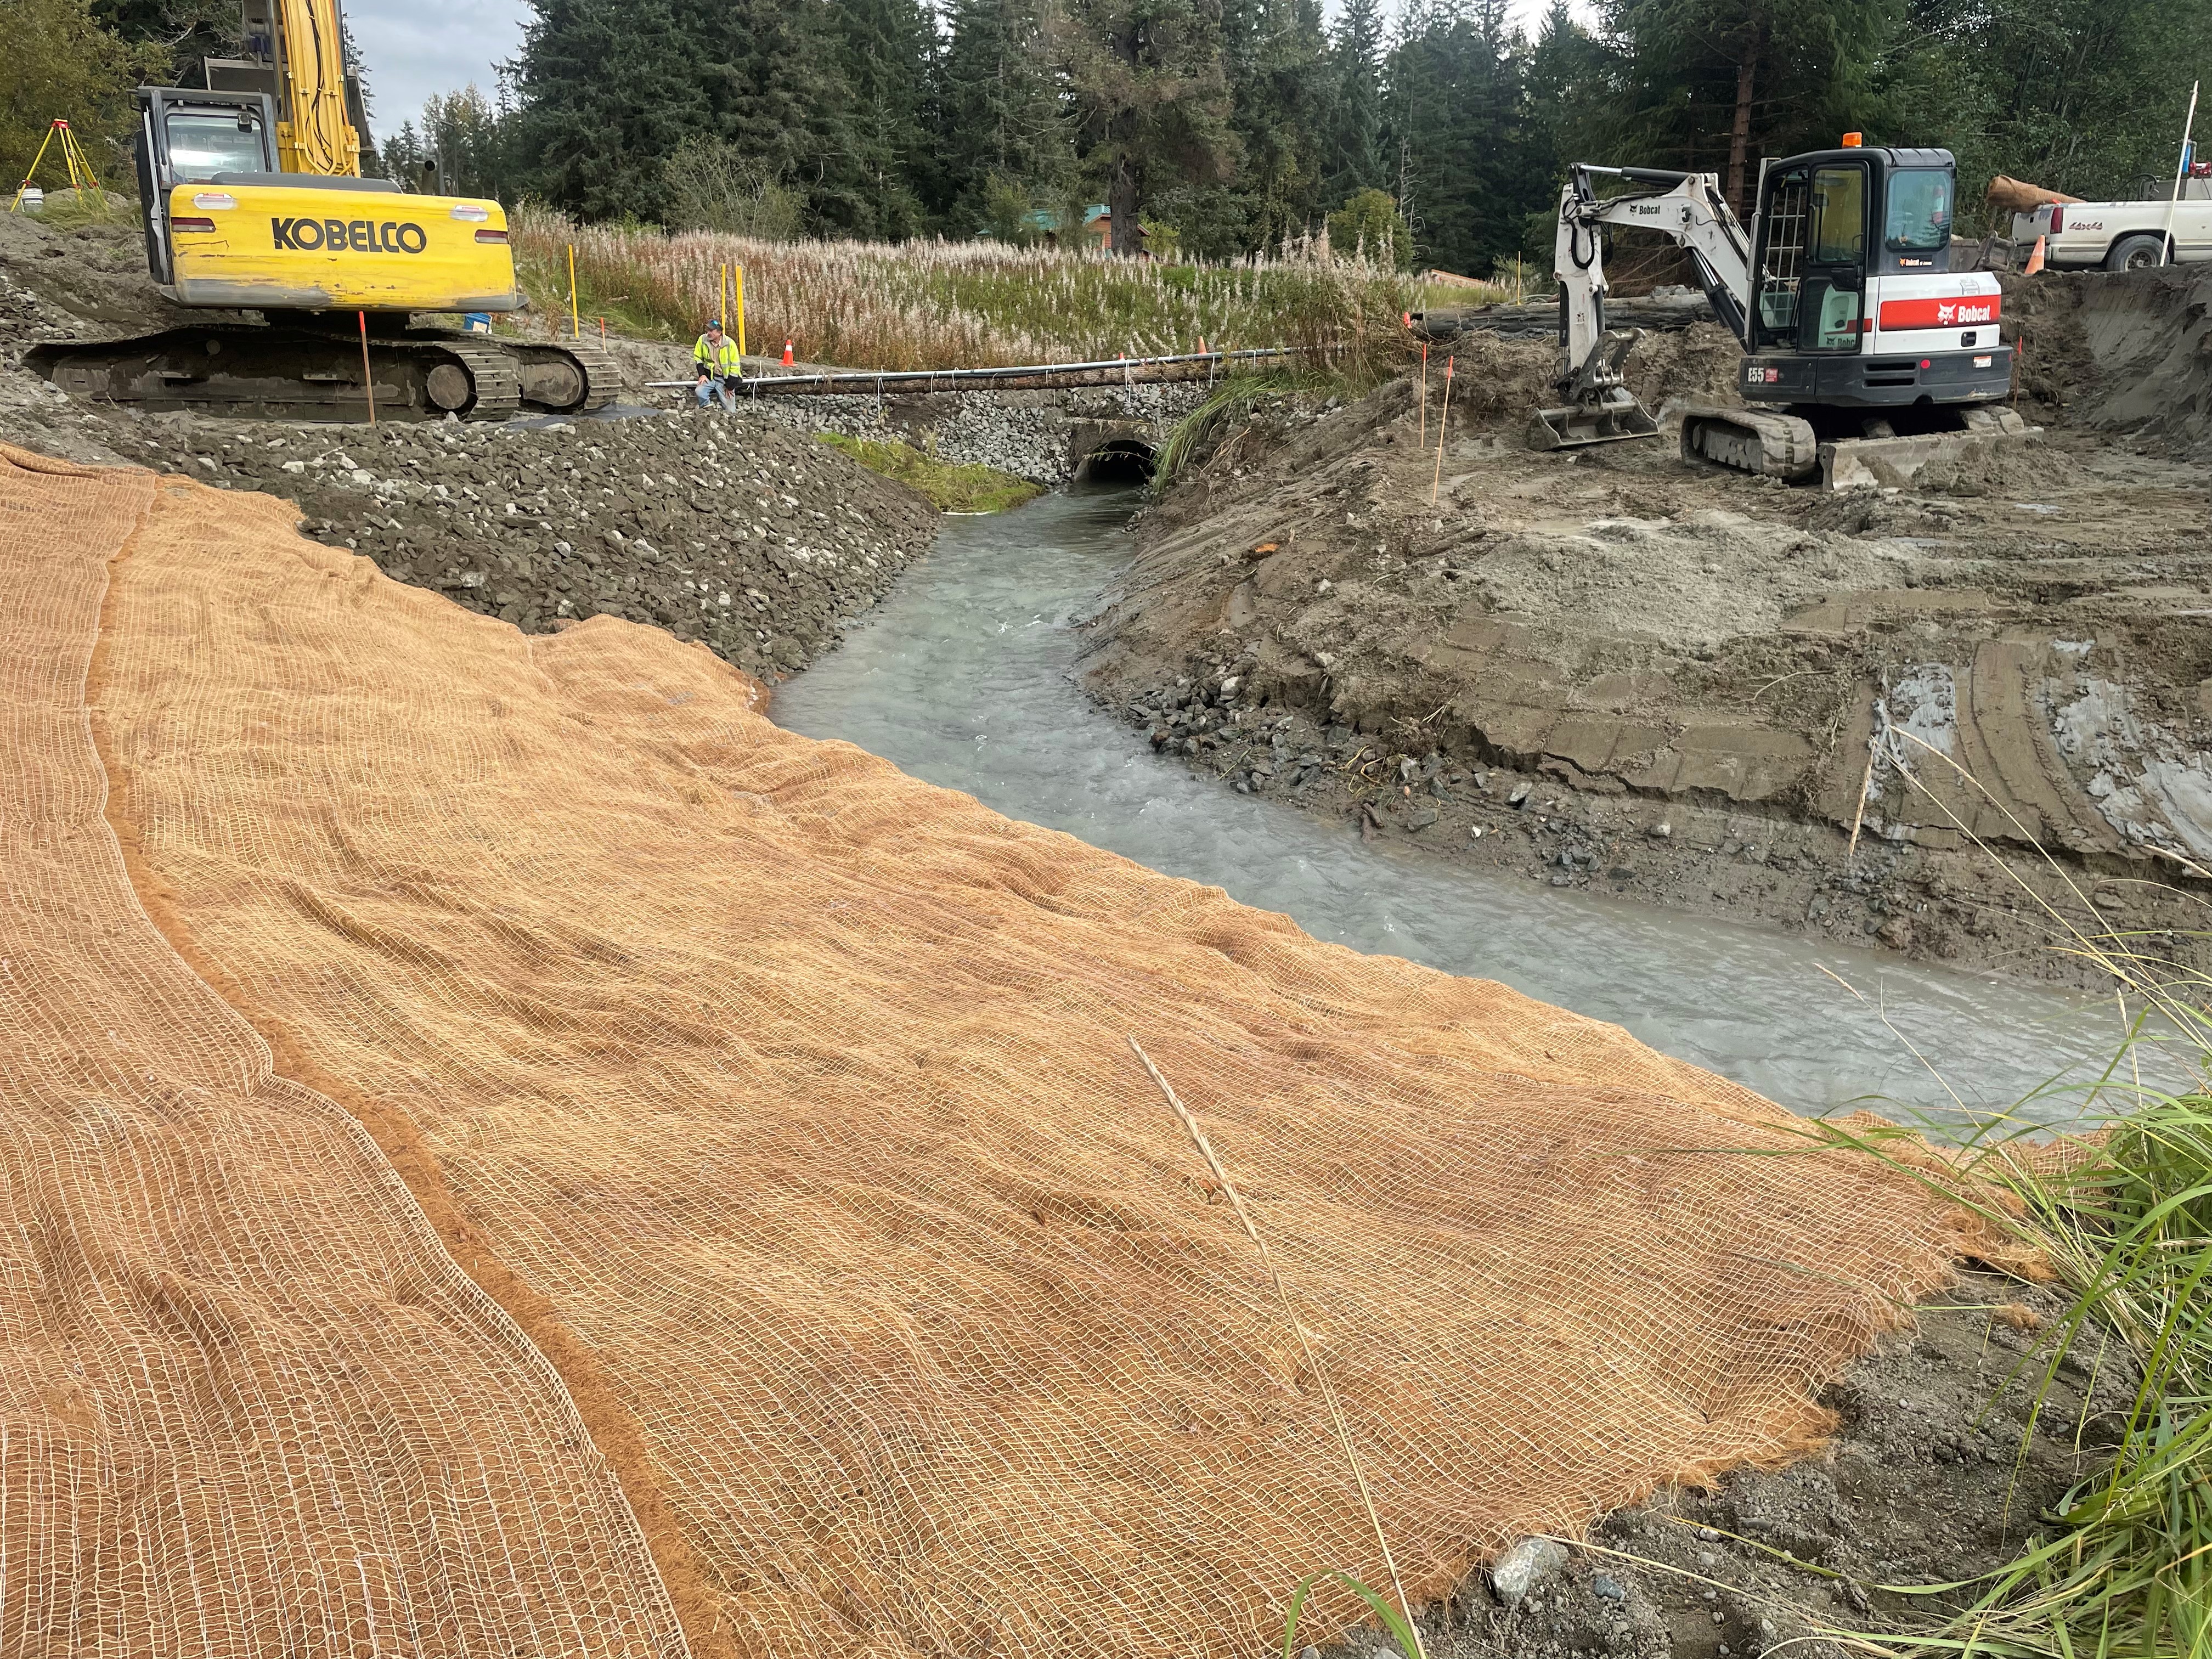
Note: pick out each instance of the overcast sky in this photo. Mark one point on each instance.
(412, 48)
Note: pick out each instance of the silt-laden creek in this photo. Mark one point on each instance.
(963, 675)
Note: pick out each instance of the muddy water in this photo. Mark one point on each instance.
(963, 675)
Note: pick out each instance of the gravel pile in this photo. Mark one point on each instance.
(729, 532)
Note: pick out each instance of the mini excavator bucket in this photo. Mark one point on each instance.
(1599, 408)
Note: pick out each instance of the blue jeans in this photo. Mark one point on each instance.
(706, 391)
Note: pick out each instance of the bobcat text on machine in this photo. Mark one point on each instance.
(253, 203)
(1868, 355)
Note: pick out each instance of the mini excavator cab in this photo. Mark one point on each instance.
(1830, 222)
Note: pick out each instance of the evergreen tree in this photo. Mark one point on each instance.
(1274, 53)
(1571, 81)
(609, 88)
(888, 53)
(772, 74)
(403, 156)
(1355, 154)
(1712, 85)
(187, 30)
(1151, 98)
(464, 136)
(1459, 109)
(2086, 96)
(998, 112)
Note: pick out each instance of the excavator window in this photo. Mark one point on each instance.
(1782, 256)
(1813, 232)
(1838, 216)
(1918, 216)
(204, 143)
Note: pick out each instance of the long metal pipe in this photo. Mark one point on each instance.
(1128, 371)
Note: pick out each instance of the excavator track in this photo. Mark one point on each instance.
(292, 372)
(495, 386)
(1778, 445)
(547, 366)
(1772, 445)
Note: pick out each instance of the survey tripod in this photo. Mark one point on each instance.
(73, 157)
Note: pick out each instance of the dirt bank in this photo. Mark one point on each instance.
(730, 531)
(1613, 670)
(1942, 1466)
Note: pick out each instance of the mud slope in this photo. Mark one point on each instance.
(2127, 355)
(1614, 669)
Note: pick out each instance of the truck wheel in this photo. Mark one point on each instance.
(2137, 252)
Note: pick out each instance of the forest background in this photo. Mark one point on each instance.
(1436, 133)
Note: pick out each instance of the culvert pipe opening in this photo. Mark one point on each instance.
(1118, 460)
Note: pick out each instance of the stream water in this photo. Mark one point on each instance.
(963, 676)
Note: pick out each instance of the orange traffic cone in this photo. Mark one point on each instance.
(2034, 258)
(786, 352)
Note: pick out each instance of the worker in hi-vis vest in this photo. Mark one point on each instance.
(720, 367)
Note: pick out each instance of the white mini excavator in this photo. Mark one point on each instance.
(1868, 356)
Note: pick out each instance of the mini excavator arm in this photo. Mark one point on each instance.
(1685, 207)
(1597, 406)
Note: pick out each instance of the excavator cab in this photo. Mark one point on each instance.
(187, 137)
(1854, 304)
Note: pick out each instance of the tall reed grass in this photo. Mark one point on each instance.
(964, 305)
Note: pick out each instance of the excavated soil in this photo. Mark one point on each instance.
(1616, 670)
(734, 531)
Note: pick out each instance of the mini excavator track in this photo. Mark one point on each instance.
(293, 372)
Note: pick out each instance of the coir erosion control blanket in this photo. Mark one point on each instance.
(248, 1402)
(789, 1103)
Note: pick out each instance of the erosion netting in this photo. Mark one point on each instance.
(800, 1092)
(248, 1402)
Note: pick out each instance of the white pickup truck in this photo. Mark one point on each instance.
(2121, 235)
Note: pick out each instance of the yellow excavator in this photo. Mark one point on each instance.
(253, 202)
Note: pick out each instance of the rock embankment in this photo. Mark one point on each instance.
(1026, 433)
(730, 531)
(734, 531)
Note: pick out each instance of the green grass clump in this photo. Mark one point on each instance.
(74, 209)
(950, 487)
(1199, 432)
(2125, 1567)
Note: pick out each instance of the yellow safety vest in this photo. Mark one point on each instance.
(721, 361)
